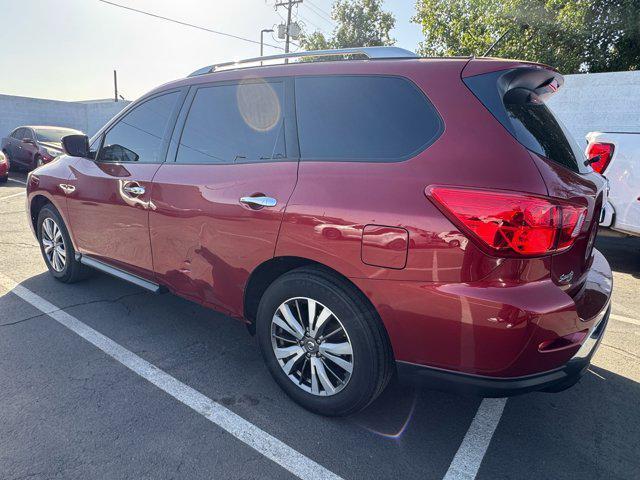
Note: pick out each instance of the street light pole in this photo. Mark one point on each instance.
(262, 32)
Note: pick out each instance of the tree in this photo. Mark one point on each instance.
(359, 23)
(572, 35)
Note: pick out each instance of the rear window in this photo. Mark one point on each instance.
(540, 131)
(363, 118)
(511, 97)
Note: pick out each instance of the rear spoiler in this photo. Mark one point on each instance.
(508, 74)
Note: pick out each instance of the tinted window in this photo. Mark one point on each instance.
(363, 118)
(234, 123)
(537, 129)
(20, 133)
(139, 136)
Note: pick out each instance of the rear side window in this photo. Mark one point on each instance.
(510, 95)
(363, 118)
(539, 130)
(140, 135)
(235, 124)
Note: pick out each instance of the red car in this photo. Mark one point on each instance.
(4, 168)
(32, 146)
(310, 200)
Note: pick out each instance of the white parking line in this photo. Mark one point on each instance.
(17, 181)
(622, 318)
(245, 431)
(466, 463)
(14, 195)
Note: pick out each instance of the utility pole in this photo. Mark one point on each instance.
(289, 4)
(115, 86)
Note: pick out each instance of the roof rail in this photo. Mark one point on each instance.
(369, 52)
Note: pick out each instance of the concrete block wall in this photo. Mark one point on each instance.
(85, 116)
(607, 102)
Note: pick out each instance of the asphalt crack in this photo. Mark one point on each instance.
(21, 244)
(90, 302)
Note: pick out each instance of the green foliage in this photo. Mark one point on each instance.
(359, 23)
(572, 35)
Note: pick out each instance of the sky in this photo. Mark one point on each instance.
(68, 49)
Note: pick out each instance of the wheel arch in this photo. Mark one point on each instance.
(267, 272)
(35, 205)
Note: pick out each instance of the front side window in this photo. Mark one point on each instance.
(140, 135)
(363, 118)
(234, 124)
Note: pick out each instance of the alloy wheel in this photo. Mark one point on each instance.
(53, 244)
(312, 346)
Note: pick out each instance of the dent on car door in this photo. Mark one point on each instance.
(236, 142)
(109, 206)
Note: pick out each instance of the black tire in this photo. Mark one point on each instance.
(73, 270)
(4, 179)
(373, 364)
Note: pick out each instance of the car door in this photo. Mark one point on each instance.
(220, 197)
(108, 208)
(16, 151)
(29, 148)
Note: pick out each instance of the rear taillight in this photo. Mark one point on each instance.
(602, 150)
(509, 223)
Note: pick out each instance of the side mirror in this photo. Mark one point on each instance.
(76, 145)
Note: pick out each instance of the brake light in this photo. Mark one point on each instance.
(605, 151)
(510, 223)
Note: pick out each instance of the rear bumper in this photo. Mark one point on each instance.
(551, 381)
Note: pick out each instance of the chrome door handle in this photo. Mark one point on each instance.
(67, 189)
(134, 190)
(260, 202)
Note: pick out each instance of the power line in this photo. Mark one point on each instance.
(237, 37)
(306, 20)
(322, 10)
(321, 17)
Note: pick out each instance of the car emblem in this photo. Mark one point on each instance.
(566, 277)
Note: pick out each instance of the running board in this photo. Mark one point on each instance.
(121, 274)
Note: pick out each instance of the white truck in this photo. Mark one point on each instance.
(619, 162)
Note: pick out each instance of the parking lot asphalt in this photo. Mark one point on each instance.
(70, 410)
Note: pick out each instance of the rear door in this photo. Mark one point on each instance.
(109, 209)
(220, 197)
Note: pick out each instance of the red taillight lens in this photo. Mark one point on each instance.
(605, 151)
(511, 223)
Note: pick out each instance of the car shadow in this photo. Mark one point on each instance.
(622, 253)
(590, 430)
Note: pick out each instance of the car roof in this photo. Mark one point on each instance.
(336, 67)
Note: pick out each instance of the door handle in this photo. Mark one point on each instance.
(67, 189)
(134, 189)
(259, 202)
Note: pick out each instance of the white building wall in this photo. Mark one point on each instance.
(606, 102)
(85, 116)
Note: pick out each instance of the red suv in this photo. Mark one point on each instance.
(362, 216)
